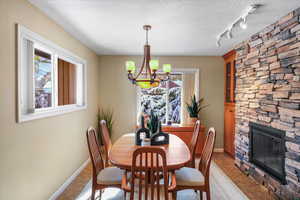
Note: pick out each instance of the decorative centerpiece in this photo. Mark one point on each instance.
(141, 133)
(153, 135)
(159, 138)
(146, 142)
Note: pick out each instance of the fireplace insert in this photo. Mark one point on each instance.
(267, 150)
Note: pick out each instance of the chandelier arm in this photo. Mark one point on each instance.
(148, 70)
(141, 69)
(130, 77)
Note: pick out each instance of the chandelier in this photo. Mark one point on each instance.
(147, 75)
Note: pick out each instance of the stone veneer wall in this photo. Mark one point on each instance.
(268, 93)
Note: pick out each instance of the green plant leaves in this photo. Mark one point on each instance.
(107, 115)
(153, 122)
(195, 106)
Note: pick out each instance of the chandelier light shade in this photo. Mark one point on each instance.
(147, 76)
(130, 66)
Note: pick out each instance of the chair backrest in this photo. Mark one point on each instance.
(106, 140)
(207, 151)
(194, 142)
(148, 164)
(95, 155)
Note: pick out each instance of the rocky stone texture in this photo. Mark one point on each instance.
(268, 93)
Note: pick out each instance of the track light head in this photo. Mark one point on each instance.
(253, 7)
(243, 24)
(229, 34)
(218, 43)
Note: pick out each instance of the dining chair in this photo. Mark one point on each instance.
(102, 177)
(106, 141)
(197, 179)
(193, 144)
(149, 166)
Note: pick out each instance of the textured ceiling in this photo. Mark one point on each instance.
(180, 27)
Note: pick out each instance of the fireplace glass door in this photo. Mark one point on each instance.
(267, 150)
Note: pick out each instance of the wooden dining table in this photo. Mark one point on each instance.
(177, 152)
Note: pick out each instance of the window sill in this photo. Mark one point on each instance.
(50, 113)
(171, 125)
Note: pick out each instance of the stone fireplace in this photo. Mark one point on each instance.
(268, 95)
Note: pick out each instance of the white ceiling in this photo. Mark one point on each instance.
(180, 27)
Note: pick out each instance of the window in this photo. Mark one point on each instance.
(164, 100)
(43, 73)
(51, 80)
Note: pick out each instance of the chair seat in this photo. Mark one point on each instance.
(187, 176)
(110, 176)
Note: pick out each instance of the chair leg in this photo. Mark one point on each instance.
(201, 195)
(174, 195)
(208, 194)
(131, 195)
(93, 194)
(100, 195)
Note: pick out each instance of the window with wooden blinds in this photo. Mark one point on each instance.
(66, 82)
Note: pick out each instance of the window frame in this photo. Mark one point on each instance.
(27, 41)
(138, 93)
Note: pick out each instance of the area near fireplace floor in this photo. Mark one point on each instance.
(253, 190)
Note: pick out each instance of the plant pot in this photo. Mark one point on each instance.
(192, 120)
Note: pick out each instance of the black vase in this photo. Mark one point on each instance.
(141, 133)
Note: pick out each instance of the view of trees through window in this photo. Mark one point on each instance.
(164, 100)
(43, 79)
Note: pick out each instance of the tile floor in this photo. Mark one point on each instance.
(252, 189)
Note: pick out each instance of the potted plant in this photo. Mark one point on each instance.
(194, 108)
(107, 115)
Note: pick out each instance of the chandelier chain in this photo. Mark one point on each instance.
(147, 37)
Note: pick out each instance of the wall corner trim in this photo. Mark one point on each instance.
(62, 188)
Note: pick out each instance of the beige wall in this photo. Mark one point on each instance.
(116, 92)
(187, 92)
(36, 157)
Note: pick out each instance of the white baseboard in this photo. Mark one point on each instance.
(68, 181)
(219, 150)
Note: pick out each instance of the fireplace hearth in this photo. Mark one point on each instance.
(267, 150)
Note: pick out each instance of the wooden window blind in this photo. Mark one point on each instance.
(66, 83)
